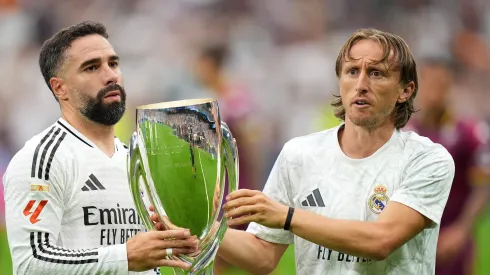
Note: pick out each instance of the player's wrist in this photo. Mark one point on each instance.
(289, 218)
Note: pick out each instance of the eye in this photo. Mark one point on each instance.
(352, 71)
(114, 64)
(377, 73)
(91, 68)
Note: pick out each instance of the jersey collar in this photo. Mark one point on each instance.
(63, 123)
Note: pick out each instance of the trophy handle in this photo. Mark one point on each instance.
(135, 172)
(230, 151)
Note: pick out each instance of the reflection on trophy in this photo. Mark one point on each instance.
(177, 162)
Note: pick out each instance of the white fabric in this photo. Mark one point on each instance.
(68, 206)
(408, 169)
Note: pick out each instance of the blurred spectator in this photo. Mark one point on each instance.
(467, 141)
(207, 78)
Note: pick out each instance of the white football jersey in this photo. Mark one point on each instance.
(312, 173)
(69, 209)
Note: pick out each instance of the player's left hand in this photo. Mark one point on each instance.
(245, 206)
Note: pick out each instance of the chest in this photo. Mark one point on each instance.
(349, 190)
(101, 193)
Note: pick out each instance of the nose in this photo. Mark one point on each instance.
(110, 75)
(362, 82)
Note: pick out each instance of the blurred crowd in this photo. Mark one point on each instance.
(270, 64)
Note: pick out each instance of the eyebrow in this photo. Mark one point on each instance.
(98, 60)
(373, 64)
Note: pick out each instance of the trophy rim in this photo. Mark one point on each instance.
(176, 103)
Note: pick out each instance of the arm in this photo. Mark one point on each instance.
(471, 210)
(33, 219)
(479, 176)
(415, 205)
(34, 216)
(453, 238)
(374, 240)
(246, 251)
(259, 249)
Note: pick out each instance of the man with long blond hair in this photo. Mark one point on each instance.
(364, 197)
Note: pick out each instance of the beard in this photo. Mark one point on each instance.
(371, 121)
(106, 114)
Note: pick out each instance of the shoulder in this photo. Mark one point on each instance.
(121, 146)
(421, 151)
(41, 156)
(314, 141)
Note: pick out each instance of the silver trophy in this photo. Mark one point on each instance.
(178, 159)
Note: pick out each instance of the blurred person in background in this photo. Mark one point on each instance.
(5, 156)
(467, 139)
(236, 109)
(6, 153)
(206, 76)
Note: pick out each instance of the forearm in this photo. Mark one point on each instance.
(475, 204)
(245, 251)
(356, 238)
(46, 258)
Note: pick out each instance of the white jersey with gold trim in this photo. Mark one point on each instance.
(69, 209)
(312, 173)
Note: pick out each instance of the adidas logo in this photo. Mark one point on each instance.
(314, 199)
(92, 184)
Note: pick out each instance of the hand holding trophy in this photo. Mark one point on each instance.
(177, 161)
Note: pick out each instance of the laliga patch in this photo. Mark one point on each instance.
(39, 188)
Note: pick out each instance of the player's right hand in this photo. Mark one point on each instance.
(148, 250)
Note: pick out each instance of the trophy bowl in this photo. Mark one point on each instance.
(180, 157)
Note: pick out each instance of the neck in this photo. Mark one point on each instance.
(360, 142)
(101, 135)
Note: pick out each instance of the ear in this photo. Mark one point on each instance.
(59, 88)
(406, 93)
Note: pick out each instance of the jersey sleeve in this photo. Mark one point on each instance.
(427, 182)
(35, 188)
(278, 188)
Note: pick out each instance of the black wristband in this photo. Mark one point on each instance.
(287, 224)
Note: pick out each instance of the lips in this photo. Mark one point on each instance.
(113, 93)
(361, 102)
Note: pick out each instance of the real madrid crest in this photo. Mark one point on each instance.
(377, 202)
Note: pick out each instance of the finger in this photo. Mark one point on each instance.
(194, 253)
(241, 193)
(174, 263)
(154, 218)
(151, 208)
(159, 226)
(241, 211)
(175, 252)
(243, 220)
(179, 234)
(171, 225)
(178, 243)
(238, 202)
